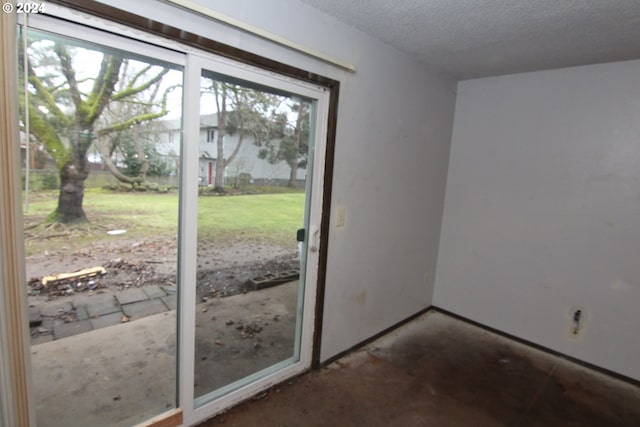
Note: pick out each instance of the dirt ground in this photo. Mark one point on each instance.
(223, 269)
(239, 331)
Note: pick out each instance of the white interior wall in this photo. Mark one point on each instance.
(542, 211)
(395, 119)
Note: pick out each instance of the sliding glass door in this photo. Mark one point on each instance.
(101, 141)
(172, 212)
(252, 221)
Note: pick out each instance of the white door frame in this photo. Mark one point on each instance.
(188, 240)
(194, 61)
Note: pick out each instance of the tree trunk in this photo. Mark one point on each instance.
(220, 164)
(73, 173)
(72, 177)
(144, 162)
(235, 150)
(293, 174)
(222, 121)
(293, 164)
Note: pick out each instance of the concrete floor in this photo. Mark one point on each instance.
(434, 371)
(115, 376)
(438, 371)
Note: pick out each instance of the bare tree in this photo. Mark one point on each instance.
(242, 111)
(289, 140)
(131, 139)
(64, 111)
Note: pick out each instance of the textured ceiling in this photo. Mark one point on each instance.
(478, 38)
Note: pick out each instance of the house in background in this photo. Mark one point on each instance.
(247, 166)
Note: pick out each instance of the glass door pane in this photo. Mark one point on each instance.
(101, 143)
(254, 149)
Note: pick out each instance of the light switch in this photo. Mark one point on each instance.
(341, 217)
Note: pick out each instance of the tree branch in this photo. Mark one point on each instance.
(103, 87)
(46, 97)
(70, 75)
(106, 158)
(240, 127)
(141, 118)
(130, 90)
(46, 134)
(136, 120)
(139, 74)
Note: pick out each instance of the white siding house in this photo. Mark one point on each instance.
(246, 163)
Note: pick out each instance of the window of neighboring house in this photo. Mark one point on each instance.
(211, 135)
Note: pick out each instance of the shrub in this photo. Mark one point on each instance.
(49, 181)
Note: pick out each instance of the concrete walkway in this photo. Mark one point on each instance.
(125, 374)
(89, 311)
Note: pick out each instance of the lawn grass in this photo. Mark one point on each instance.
(268, 218)
(271, 217)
